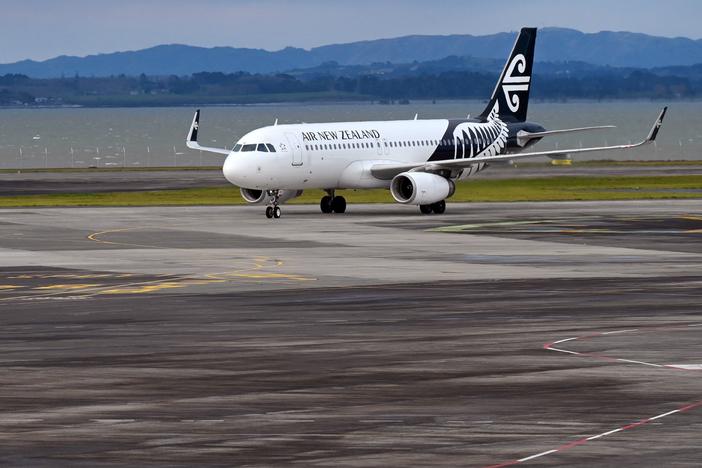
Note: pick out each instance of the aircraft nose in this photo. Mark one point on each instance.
(232, 169)
(241, 169)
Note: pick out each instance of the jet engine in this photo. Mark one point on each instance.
(258, 197)
(420, 188)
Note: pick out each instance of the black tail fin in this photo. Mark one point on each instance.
(512, 90)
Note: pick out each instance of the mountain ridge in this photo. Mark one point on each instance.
(604, 48)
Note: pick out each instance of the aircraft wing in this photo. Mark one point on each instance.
(388, 171)
(524, 137)
(191, 140)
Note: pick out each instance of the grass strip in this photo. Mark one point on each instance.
(478, 190)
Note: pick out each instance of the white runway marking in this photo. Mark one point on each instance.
(631, 361)
(640, 422)
(566, 339)
(616, 332)
(542, 454)
(605, 434)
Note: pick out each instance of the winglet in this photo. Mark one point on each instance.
(191, 141)
(192, 135)
(656, 126)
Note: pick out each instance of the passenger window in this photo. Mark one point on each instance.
(271, 148)
(236, 148)
(262, 148)
(248, 148)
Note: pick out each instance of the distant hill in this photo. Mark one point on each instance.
(621, 49)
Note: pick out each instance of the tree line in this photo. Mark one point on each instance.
(247, 87)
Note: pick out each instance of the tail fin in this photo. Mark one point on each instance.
(512, 90)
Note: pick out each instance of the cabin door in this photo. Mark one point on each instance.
(295, 148)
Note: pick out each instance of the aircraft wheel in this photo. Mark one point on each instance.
(269, 212)
(277, 212)
(425, 209)
(439, 207)
(338, 204)
(326, 204)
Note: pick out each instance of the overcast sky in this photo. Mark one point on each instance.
(41, 29)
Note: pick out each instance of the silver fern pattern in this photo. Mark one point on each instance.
(474, 139)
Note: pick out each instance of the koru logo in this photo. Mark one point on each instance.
(513, 84)
(196, 126)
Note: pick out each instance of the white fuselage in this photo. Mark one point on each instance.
(329, 155)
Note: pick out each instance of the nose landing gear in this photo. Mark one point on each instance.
(273, 210)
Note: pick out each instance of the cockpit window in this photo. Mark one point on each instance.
(263, 148)
(247, 148)
(271, 148)
(236, 148)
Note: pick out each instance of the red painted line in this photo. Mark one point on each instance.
(690, 407)
(636, 424)
(573, 444)
(562, 448)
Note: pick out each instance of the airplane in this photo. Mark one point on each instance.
(418, 160)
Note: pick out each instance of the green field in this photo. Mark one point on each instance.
(482, 190)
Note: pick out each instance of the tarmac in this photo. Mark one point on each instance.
(535, 334)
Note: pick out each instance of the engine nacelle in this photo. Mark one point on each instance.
(286, 195)
(254, 196)
(420, 188)
(259, 197)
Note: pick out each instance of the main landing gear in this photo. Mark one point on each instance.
(438, 208)
(273, 210)
(332, 204)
